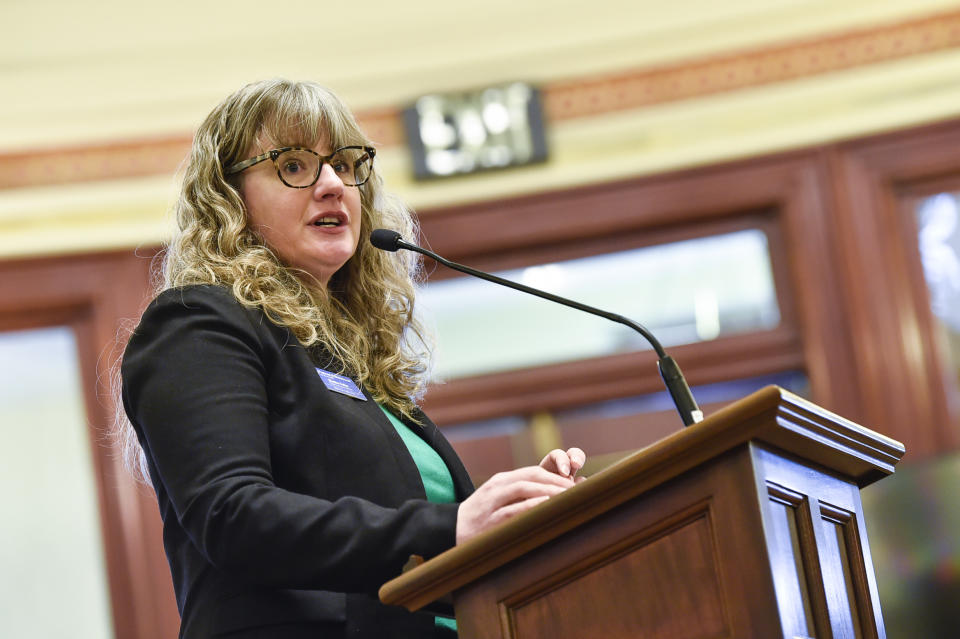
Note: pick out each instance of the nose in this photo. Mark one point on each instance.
(328, 184)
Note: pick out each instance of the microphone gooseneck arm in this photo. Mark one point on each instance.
(690, 413)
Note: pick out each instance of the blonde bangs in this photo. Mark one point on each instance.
(306, 116)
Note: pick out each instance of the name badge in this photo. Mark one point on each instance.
(340, 384)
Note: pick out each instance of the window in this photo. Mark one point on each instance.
(684, 292)
(938, 238)
(52, 550)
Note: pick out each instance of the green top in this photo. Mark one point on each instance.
(437, 480)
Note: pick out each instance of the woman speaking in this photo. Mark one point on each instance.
(270, 387)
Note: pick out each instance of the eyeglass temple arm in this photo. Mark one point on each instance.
(246, 164)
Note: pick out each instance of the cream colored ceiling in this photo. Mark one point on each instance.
(85, 71)
(76, 73)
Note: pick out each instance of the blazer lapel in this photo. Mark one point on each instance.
(408, 468)
(430, 433)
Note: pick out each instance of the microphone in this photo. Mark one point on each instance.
(690, 413)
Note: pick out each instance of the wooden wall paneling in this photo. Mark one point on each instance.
(782, 194)
(552, 387)
(90, 294)
(875, 336)
(677, 200)
(898, 364)
(127, 283)
(853, 301)
(816, 292)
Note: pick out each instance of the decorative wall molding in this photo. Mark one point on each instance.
(747, 69)
(567, 100)
(92, 163)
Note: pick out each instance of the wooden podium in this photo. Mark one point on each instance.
(748, 524)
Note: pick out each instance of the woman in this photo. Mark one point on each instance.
(270, 387)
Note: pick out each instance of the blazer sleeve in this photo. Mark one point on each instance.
(194, 388)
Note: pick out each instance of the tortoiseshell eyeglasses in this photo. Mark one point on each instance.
(299, 168)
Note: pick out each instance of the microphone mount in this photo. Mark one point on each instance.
(676, 384)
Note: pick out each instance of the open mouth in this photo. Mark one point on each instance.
(328, 221)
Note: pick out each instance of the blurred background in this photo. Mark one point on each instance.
(772, 186)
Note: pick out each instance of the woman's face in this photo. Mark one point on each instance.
(315, 229)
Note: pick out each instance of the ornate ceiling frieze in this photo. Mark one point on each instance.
(566, 100)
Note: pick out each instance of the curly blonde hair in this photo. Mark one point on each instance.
(364, 318)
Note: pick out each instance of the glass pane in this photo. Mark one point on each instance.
(684, 292)
(54, 580)
(939, 240)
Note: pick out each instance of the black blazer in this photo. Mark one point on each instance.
(285, 505)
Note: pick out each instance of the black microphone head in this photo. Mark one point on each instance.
(385, 239)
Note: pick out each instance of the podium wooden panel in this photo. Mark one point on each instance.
(748, 524)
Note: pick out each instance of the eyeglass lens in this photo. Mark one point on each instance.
(299, 168)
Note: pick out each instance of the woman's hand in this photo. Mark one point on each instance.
(565, 463)
(507, 494)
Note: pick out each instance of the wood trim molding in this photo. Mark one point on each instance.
(89, 294)
(566, 100)
(907, 391)
(749, 69)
